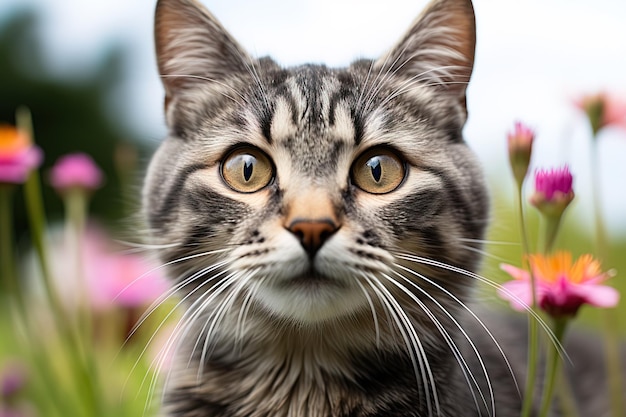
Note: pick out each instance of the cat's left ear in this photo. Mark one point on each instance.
(438, 49)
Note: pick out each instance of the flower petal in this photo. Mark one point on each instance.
(597, 295)
(15, 169)
(517, 293)
(515, 272)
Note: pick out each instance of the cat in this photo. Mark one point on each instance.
(323, 226)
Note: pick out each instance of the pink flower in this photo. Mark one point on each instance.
(553, 190)
(603, 109)
(18, 156)
(116, 278)
(520, 143)
(76, 170)
(110, 278)
(562, 287)
(126, 280)
(554, 182)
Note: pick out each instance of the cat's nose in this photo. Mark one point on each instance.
(312, 233)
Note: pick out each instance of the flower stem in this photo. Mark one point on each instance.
(7, 257)
(552, 367)
(75, 219)
(610, 322)
(566, 396)
(37, 221)
(552, 224)
(533, 339)
(76, 214)
(51, 392)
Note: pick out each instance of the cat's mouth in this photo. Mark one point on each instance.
(312, 278)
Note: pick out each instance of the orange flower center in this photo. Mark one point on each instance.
(12, 141)
(551, 268)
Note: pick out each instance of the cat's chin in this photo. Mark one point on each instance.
(311, 297)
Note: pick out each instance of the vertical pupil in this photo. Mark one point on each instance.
(248, 166)
(374, 164)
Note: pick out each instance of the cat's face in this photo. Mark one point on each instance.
(313, 193)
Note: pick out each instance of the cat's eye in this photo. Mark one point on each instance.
(378, 171)
(247, 169)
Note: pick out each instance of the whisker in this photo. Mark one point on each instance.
(155, 305)
(482, 252)
(162, 298)
(187, 321)
(487, 242)
(245, 307)
(373, 310)
(202, 303)
(165, 319)
(413, 343)
(451, 344)
(359, 101)
(225, 306)
(418, 81)
(146, 246)
(495, 285)
(211, 80)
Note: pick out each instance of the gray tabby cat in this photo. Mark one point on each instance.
(322, 226)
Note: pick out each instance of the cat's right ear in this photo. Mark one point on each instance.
(192, 47)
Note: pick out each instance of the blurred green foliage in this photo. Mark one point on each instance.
(69, 115)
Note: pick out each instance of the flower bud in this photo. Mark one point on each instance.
(603, 110)
(76, 171)
(520, 143)
(553, 191)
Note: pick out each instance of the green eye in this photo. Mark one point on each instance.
(378, 171)
(247, 169)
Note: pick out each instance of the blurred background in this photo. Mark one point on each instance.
(87, 72)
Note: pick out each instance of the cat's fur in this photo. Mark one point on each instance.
(311, 297)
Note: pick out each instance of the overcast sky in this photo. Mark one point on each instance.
(532, 57)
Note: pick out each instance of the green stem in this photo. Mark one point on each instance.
(37, 219)
(552, 224)
(533, 340)
(82, 365)
(565, 396)
(7, 257)
(75, 218)
(552, 367)
(50, 392)
(610, 322)
(600, 229)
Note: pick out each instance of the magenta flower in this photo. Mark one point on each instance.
(562, 287)
(602, 110)
(553, 190)
(76, 170)
(520, 143)
(18, 156)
